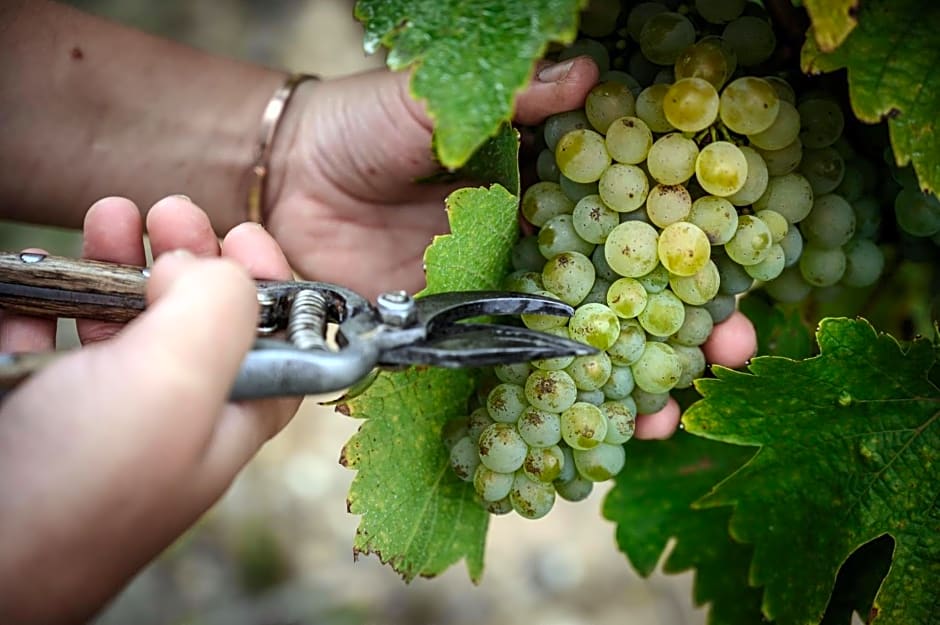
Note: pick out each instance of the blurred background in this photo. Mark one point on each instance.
(277, 549)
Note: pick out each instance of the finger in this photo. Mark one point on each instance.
(732, 342)
(176, 223)
(556, 88)
(659, 425)
(21, 333)
(112, 232)
(256, 250)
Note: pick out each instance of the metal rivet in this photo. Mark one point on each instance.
(32, 257)
(396, 308)
(145, 272)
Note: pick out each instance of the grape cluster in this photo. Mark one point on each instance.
(680, 184)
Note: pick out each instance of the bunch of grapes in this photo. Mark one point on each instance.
(680, 184)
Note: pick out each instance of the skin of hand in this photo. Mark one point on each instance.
(111, 452)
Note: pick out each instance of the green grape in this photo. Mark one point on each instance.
(663, 315)
(539, 428)
(569, 276)
(683, 248)
(464, 458)
(691, 104)
(629, 346)
(629, 140)
(606, 102)
(792, 244)
(513, 373)
(641, 68)
(867, 217)
(543, 323)
(751, 38)
(784, 130)
(593, 220)
(583, 425)
(623, 188)
(665, 36)
(621, 421)
(784, 160)
(544, 464)
(917, 213)
(822, 122)
(590, 372)
(531, 499)
(864, 262)
(822, 266)
(769, 268)
(648, 403)
(734, 279)
(695, 329)
(599, 19)
(716, 217)
(640, 14)
(748, 105)
(601, 269)
(710, 59)
(560, 124)
(784, 91)
(831, 223)
(626, 297)
(623, 78)
(751, 242)
(664, 76)
(600, 463)
(582, 155)
(453, 430)
(598, 292)
(672, 159)
(568, 470)
(790, 195)
(656, 280)
(506, 402)
(502, 448)
(553, 391)
(595, 397)
(478, 421)
(721, 168)
(526, 256)
(789, 287)
(776, 223)
(545, 166)
(544, 200)
(720, 307)
(667, 204)
(719, 11)
(491, 485)
(824, 168)
(594, 324)
(692, 360)
(657, 370)
(558, 235)
(649, 108)
(619, 385)
(576, 190)
(756, 182)
(698, 288)
(577, 488)
(590, 47)
(631, 249)
(853, 183)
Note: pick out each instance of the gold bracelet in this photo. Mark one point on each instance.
(270, 120)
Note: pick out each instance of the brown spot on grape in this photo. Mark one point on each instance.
(77, 54)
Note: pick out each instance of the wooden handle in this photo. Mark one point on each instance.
(52, 286)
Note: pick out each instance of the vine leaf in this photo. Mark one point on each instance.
(833, 20)
(891, 58)
(849, 452)
(471, 58)
(651, 503)
(416, 515)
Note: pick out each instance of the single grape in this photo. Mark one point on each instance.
(569, 276)
(783, 161)
(710, 58)
(544, 200)
(560, 124)
(526, 256)
(720, 307)
(464, 458)
(790, 195)
(543, 323)
(698, 288)
(748, 105)
(478, 421)
(621, 421)
(756, 182)
(649, 403)
(656, 280)
(513, 373)
(867, 217)
(649, 108)
(664, 36)
(719, 11)
(620, 383)
(491, 485)
(751, 243)
(598, 292)
(822, 266)
(640, 14)
(824, 168)
(691, 104)
(683, 248)
(629, 346)
(864, 262)
(721, 168)
(657, 370)
(602, 270)
(577, 488)
(792, 244)
(716, 217)
(784, 130)
(667, 204)
(629, 140)
(582, 155)
(631, 249)
(672, 159)
(545, 166)
(593, 220)
(576, 190)
(594, 324)
(626, 297)
(600, 463)
(539, 428)
(663, 315)
(784, 90)
(590, 372)
(502, 448)
(623, 78)
(553, 391)
(776, 223)
(789, 286)
(503, 506)
(821, 120)
(558, 362)
(695, 329)
(595, 397)
(917, 213)
(623, 187)
(606, 102)
(544, 464)
(770, 267)
(831, 223)
(558, 235)
(589, 47)
(531, 499)
(692, 360)
(751, 38)
(506, 402)
(583, 425)
(734, 279)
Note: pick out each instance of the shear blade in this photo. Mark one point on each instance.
(441, 309)
(479, 345)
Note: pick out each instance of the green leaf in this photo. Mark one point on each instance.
(892, 58)
(781, 330)
(833, 20)
(850, 452)
(497, 160)
(471, 57)
(416, 515)
(650, 503)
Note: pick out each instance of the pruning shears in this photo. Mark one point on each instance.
(293, 355)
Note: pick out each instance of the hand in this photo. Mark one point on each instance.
(110, 453)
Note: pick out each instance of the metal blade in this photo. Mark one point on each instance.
(438, 310)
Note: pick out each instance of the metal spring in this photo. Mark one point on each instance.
(306, 325)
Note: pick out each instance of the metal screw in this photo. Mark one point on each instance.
(396, 308)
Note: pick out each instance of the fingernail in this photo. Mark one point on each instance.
(556, 72)
(182, 197)
(180, 253)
